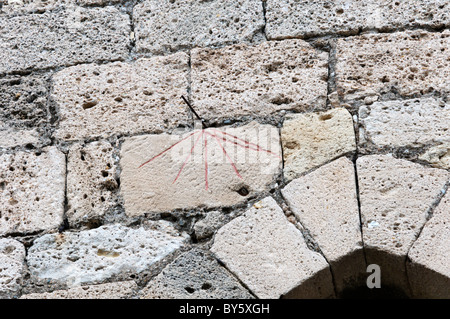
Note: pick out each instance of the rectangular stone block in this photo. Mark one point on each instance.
(202, 168)
(244, 80)
(39, 6)
(32, 191)
(167, 26)
(23, 110)
(62, 38)
(12, 267)
(121, 98)
(409, 64)
(304, 18)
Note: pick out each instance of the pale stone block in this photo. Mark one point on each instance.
(12, 267)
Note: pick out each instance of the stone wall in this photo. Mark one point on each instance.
(324, 147)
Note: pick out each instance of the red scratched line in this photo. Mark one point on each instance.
(187, 158)
(225, 152)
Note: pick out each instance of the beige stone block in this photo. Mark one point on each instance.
(32, 191)
(12, 267)
(270, 256)
(202, 168)
(312, 139)
(258, 80)
(39, 6)
(121, 98)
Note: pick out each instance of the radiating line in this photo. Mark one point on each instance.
(226, 154)
(187, 158)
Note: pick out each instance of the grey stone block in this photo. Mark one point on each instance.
(12, 267)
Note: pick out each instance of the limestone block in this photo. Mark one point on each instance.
(194, 275)
(62, 38)
(269, 255)
(97, 255)
(258, 80)
(302, 18)
(409, 63)
(12, 267)
(325, 203)
(121, 98)
(39, 6)
(114, 290)
(167, 26)
(438, 156)
(23, 109)
(416, 122)
(428, 271)
(312, 139)
(32, 191)
(91, 181)
(395, 197)
(208, 168)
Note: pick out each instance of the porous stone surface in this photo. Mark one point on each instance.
(410, 64)
(39, 6)
(415, 122)
(23, 109)
(269, 254)
(258, 80)
(114, 290)
(208, 225)
(438, 156)
(395, 196)
(101, 254)
(302, 18)
(312, 139)
(194, 275)
(325, 203)
(62, 38)
(121, 98)
(91, 181)
(202, 168)
(32, 191)
(430, 252)
(165, 26)
(12, 267)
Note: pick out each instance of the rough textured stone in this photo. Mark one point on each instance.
(258, 80)
(32, 191)
(302, 18)
(166, 26)
(12, 267)
(23, 109)
(408, 63)
(91, 181)
(97, 255)
(115, 290)
(121, 98)
(63, 37)
(428, 270)
(438, 156)
(312, 139)
(210, 168)
(194, 275)
(325, 203)
(395, 197)
(269, 255)
(208, 225)
(415, 122)
(39, 6)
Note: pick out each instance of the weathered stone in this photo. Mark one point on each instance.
(269, 255)
(166, 26)
(312, 139)
(325, 203)
(114, 290)
(23, 110)
(428, 271)
(121, 98)
(194, 275)
(208, 225)
(294, 18)
(39, 6)
(414, 123)
(209, 168)
(409, 63)
(100, 254)
(258, 80)
(12, 267)
(32, 191)
(438, 156)
(396, 196)
(91, 181)
(62, 38)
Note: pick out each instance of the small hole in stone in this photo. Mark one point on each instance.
(325, 117)
(243, 191)
(206, 286)
(105, 173)
(189, 289)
